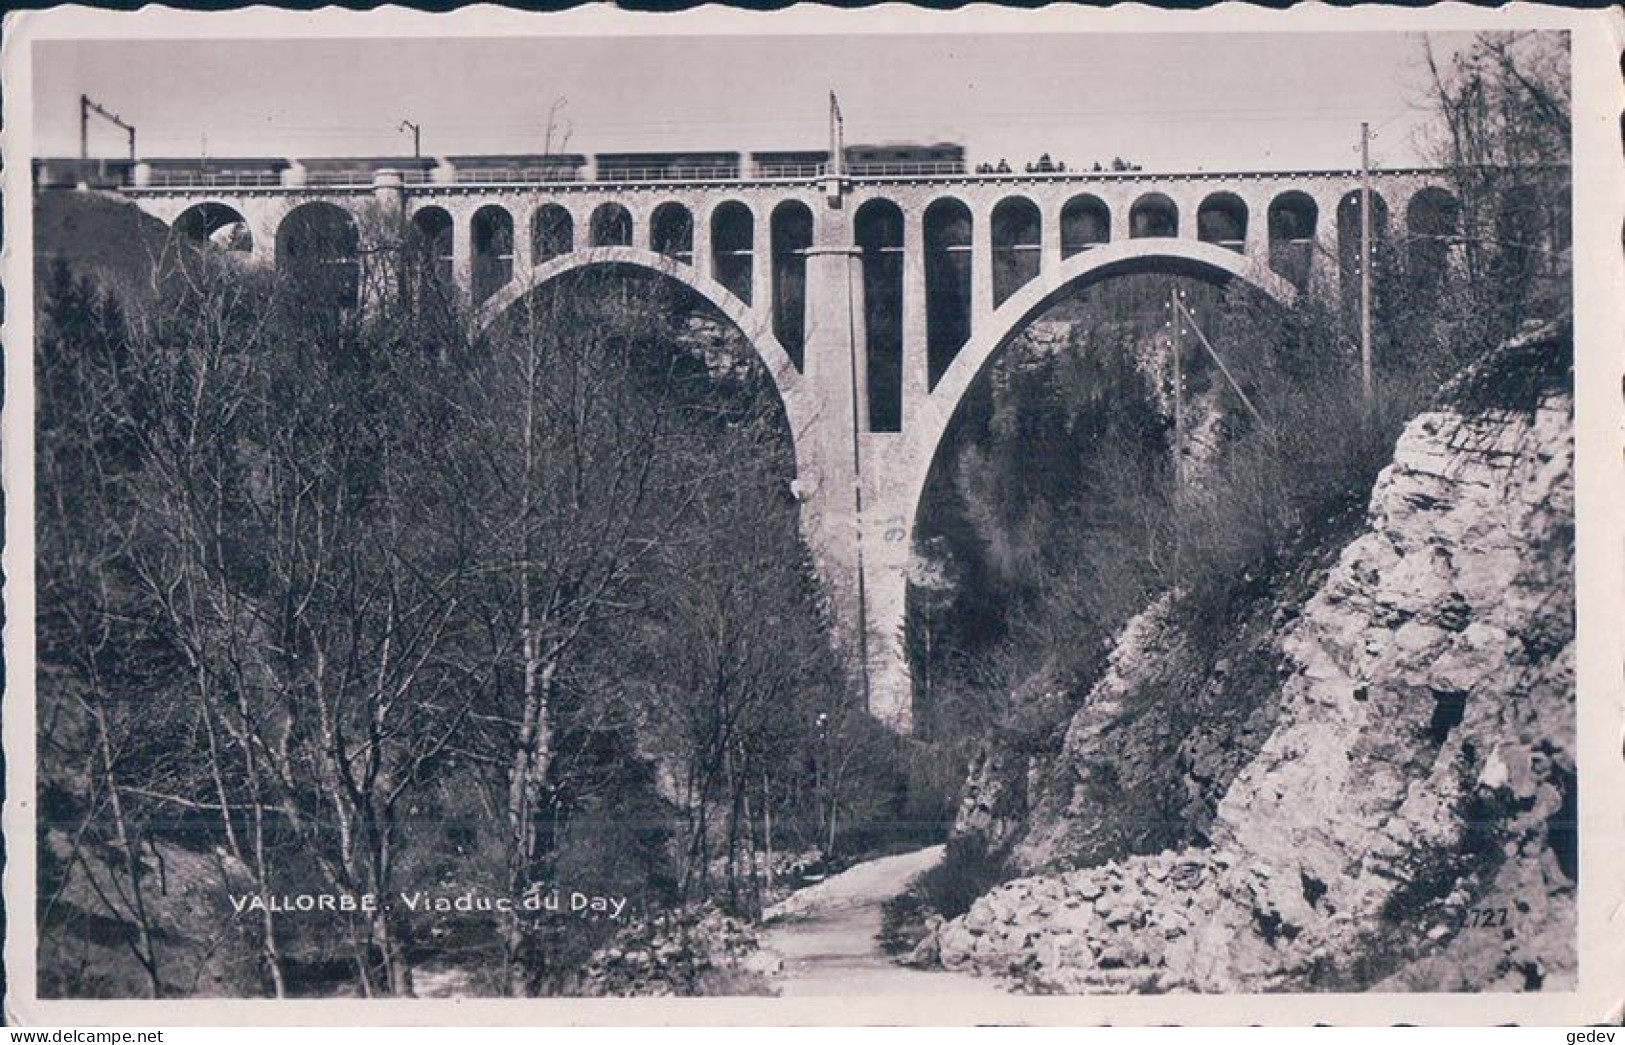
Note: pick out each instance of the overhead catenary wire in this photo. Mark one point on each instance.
(507, 135)
(892, 124)
(1218, 360)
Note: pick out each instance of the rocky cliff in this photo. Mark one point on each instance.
(1401, 809)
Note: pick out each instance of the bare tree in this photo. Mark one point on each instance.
(373, 561)
(567, 473)
(1504, 131)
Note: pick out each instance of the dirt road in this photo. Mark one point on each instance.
(826, 934)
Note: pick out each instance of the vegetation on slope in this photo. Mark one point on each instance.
(1225, 533)
(350, 602)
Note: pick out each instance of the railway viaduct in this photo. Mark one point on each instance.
(875, 299)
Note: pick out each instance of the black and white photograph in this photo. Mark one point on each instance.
(1004, 512)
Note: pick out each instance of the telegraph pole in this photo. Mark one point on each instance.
(1365, 265)
(417, 137)
(1178, 346)
(837, 136)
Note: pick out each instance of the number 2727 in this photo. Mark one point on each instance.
(1482, 918)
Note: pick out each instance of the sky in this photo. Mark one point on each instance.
(1167, 101)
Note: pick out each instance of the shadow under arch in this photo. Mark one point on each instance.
(753, 325)
(1163, 256)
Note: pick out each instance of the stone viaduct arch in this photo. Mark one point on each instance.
(1169, 256)
(752, 323)
(834, 282)
(217, 223)
(895, 486)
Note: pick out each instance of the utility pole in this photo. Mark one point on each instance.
(1176, 346)
(417, 137)
(1365, 265)
(86, 107)
(837, 143)
(1179, 389)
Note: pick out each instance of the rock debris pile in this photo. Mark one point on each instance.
(685, 954)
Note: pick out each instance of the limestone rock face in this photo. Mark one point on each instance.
(1146, 754)
(1408, 822)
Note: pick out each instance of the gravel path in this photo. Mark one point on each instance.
(826, 934)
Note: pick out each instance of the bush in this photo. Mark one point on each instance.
(966, 872)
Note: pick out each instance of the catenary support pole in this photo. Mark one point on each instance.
(1365, 265)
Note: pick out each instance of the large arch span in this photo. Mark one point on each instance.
(754, 324)
(895, 486)
(895, 466)
(1178, 257)
(1174, 257)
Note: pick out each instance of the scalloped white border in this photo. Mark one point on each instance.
(1599, 291)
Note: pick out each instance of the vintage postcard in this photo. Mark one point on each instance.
(1059, 516)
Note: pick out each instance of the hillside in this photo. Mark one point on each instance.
(97, 233)
(1401, 817)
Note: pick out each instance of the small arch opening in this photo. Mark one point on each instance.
(217, 225)
(611, 226)
(671, 232)
(318, 246)
(947, 283)
(434, 254)
(1153, 216)
(732, 254)
(1524, 234)
(1433, 229)
(493, 250)
(1349, 238)
(1222, 220)
(1017, 235)
(879, 234)
(792, 235)
(1293, 216)
(552, 233)
(1086, 222)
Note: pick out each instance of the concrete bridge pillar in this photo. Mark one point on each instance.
(389, 189)
(524, 252)
(1049, 253)
(828, 455)
(701, 258)
(643, 227)
(462, 252)
(916, 361)
(761, 261)
(1323, 252)
(981, 269)
(1188, 205)
(1399, 198)
(262, 226)
(1257, 242)
(1121, 213)
(888, 543)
